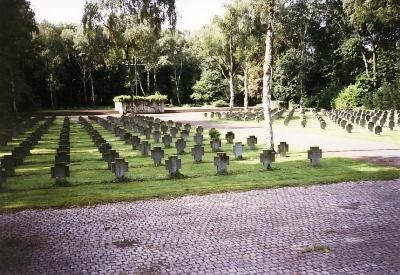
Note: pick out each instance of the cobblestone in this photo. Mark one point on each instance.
(346, 228)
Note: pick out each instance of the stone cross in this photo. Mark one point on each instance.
(173, 131)
(322, 125)
(238, 149)
(187, 127)
(173, 164)
(110, 156)
(8, 163)
(147, 133)
(167, 140)
(371, 126)
(170, 123)
(230, 136)
(180, 145)
(64, 142)
(283, 149)
(144, 148)
(62, 156)
(251, 142)
(391, 125)
(378, 130)
(267, 157)
(199, 130)
(156, 136)
(198, 153)
(349, 127)
(60, 172)
(164, 129)
(198, 139)
(157, 154)
(19, 154)
(221, 161)
(178, 125)
(215, 144)
(185, 135)
(127, 138)
(119, 167)
(135, 141)
(315, 155)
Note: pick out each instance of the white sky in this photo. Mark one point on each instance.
(192, 14)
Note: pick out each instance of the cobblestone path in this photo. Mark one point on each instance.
(347, 228)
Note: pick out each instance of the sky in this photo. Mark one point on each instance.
(192, 14)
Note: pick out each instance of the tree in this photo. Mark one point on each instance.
(266, 10)
(17, 26)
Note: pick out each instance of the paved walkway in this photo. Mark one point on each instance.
(347, 228)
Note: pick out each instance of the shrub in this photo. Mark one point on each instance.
(214, 133)
(153, 98)
(387, 97)
(350, 97)
(221, 103)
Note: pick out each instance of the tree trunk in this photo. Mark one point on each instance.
(365, 63)
(84, 87)
(246, 89)
(92, 87)
(155, 79)
(148, 80)
(267, 80)
(176, 81)
(51, 90)
(231, 91)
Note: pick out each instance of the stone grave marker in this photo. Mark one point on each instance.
(157, 155)
(144, 148)
(164, 129)
(371, 126)
(62, 157)
(215, 144)
(119, 167)
(60, 172)
(198, 153)
(283, 149)
(349, 127)
(315, 155)
(238, 149)
(391, 125)
(156, 136)
(230, 136)
(378, 130)
(199, 130)
(251, 142)
(135, 141)
(180, 145)
(173, 164)
(221, 161)
(267, 157)
(173, 131)
(185, 135)
(167, 140)
(3, 177)
(198, 139)
(8, 163)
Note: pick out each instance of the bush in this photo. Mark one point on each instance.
(153, 98)
(387, 97)
(350, 97)
(221, 103)
(214, 133)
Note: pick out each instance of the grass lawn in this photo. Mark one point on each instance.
(91, 183)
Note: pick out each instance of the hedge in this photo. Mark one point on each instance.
(152, 98)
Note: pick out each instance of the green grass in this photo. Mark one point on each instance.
(91, 183)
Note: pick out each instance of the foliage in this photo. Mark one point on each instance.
(152, 98)
(387, 97)
(214, 133)
(221, 103)
(210, 87)
(350, 97)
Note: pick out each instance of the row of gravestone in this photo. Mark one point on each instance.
(375, 120)
(62, 158)
(114, 163)
(321, 120)
(19, 153)
(341, 122)
(7, 136)
(256, 114)
(289, 117)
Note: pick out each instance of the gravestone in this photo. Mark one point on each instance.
(215, 144)
(283, 149)
(144, 148)
(173, 131)
(135, 141)
(173, 164)
(185, 135)
(62, 156)
(303, 123)
(391, 125)
(170, 123)
(322, 125)
(156, 136)
(19, 154)
(8, 163)
(267, 157)
(315, 155)
(110, 156)
(205, 114)
(198, 139)
(147, 133)
(178, 125)
(251, 142)
(349, 127)
(157, 154)
(64, 142)
(230, 136)
(164, 129)
(187, 127)
(167, 140)
(199, 130)
(198, 153)
(238, 149)
(180, 145)
(60, 172)
(363, 122)
(221, 161)
(128, 138)
(371, 126)
(378, 130)
(119, 167)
